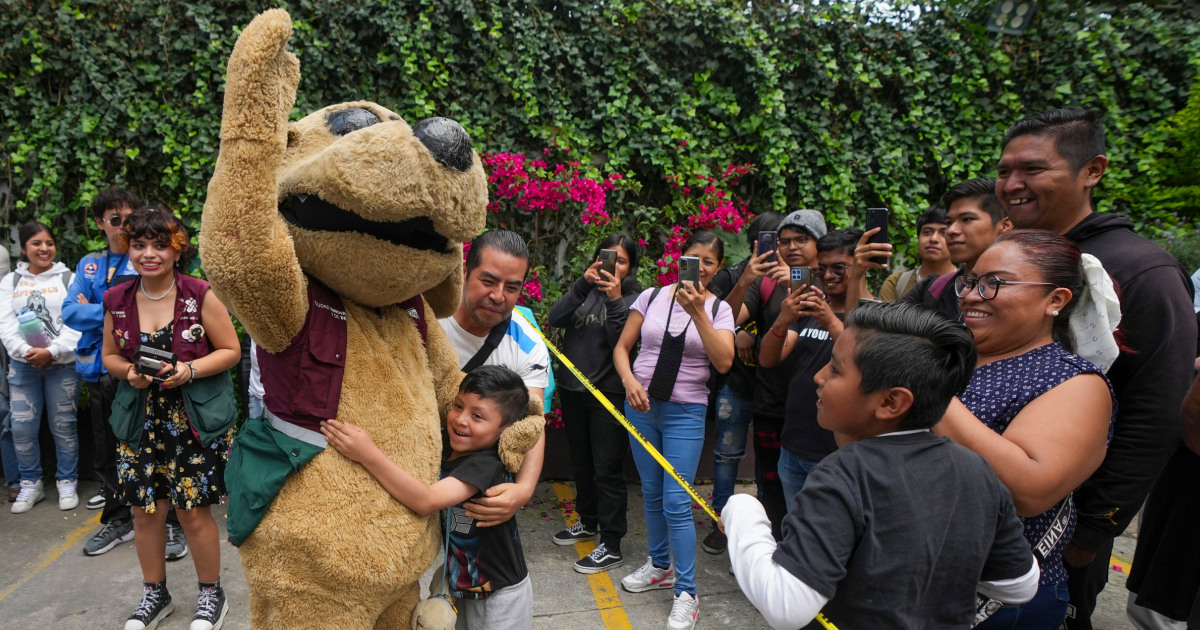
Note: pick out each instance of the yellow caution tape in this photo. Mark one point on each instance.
(658, 457)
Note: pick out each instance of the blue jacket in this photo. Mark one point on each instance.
(92, 280)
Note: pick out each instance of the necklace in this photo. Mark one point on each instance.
(165, 294)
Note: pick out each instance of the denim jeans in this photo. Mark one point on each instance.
(30, 391)
(793, 470)
(8, 450)
(677, 431)
(1045, 611)
(733, 425)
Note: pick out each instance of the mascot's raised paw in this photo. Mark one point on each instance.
(518, 438)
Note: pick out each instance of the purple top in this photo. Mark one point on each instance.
(999, 391)
(692, 384)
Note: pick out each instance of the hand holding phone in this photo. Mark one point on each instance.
(878, 218)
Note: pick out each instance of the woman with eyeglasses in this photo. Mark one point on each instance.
(1040, 414)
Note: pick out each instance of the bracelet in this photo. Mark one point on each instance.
(775, 334)
(191, 371)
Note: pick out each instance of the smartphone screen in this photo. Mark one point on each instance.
(878, 218)
(608, 261)
(767, 242)
(689, 270)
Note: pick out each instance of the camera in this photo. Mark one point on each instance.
(151, 361)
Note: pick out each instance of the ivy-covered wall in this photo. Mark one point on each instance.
(835, 108)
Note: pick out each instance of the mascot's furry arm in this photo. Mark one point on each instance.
(244, 242)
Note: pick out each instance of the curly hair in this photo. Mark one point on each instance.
(158, 224)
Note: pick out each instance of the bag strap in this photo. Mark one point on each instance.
(986, 607)
(938, 286)
(495, 336)
(767, 289)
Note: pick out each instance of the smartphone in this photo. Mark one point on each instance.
(878, 218)
(689, 270)
(608, 261)
(768, 241)
(802, 276)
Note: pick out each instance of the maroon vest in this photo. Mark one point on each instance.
(121, 303)
(303, 384)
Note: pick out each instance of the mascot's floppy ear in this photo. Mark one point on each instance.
(445, 296)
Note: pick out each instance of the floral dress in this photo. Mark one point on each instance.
(169, 462)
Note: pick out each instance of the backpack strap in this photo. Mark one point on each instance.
(495, 336)
(416, 310)
(939, 284)
(766, 291)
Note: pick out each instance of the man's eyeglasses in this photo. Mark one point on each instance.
(988, 286)
(115, 220)
(799, 241)
(838, 270)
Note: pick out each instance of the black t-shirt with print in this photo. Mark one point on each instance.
(485, 559)
(801, 434)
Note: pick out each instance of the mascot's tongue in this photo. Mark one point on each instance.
(313, 213)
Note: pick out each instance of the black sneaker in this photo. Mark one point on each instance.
(599, 560)
(715, 542)
(574, 534)
(156, 605)
(177, 546)
(109, 536)
(211, 608)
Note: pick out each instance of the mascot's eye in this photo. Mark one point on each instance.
(447, 142)
(345, 121)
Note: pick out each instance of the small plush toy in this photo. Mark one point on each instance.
(336, 241)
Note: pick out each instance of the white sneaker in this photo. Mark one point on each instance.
(31, 492)
(684, 612)
(649, 578)
(68, 499)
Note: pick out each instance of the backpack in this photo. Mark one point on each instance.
(716, 380)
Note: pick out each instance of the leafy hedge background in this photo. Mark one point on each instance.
(830, 107)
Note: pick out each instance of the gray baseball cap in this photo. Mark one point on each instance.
(810, 221)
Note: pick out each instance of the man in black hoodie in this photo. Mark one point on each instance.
(1049, 165)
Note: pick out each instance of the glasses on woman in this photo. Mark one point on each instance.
(987, 286)
(837, 271)
(115, 220)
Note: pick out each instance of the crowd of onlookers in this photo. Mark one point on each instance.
(959, 450)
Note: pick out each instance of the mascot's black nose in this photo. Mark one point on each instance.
(447, 141)
(344, 121)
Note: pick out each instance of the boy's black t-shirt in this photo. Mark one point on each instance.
(898, 530)
(801, 434)
(770, 383)
(484, 559)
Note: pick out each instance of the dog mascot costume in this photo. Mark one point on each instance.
(336, 241)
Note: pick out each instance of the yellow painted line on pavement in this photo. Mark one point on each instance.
(607, 599)
(48, 558)
(1118, 564)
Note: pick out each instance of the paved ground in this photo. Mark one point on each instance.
(46, 581)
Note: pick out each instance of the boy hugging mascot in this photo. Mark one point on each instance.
(336, 241)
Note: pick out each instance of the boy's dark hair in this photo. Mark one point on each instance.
(980, 189)
(1077, 133)
(504, 241)
(844, 240)
(765, 222)
(935, 214)
(28, 231)
(501, 386)
(113, 197)
(632, 250)
(159, 224)
(919, 349)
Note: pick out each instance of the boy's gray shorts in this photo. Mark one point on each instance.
(509, 607)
